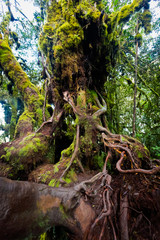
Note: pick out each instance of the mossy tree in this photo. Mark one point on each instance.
(79, 46)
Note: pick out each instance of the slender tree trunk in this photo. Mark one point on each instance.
(135, 87)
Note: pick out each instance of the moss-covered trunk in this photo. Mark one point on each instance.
(79, 42)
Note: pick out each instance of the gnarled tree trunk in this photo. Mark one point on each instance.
(79, 44)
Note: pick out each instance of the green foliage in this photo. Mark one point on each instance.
(99, 159)
(156, 149)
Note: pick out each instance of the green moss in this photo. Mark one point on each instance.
(146, 151)
(67, 152)
(62, 26)
(125, 13)
(68, 180)
(99, 160)
(71, 176)
(146, 21)
(31, 96)
(45, 176)
(56, 169)
(43, 236)
(138, 38)
(52, 183)
(81, 99)
(27, 153)
(93, 14)
(32, 147)
(39, 116)
(5, 23)
(48, 29)
(9, 151)
(14, 162)
(62, 210)
(140, 154)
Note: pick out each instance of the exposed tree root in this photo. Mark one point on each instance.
(102, 109)
(151, 171)
(75, 153)
(139, 219)
(53, 121)
(101, 184)
(124, 218)
(107, 207)
(103, 228)
(113, 228)
(118, 146)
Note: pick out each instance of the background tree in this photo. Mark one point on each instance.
(63, 134)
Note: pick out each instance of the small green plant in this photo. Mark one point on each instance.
(156, 149)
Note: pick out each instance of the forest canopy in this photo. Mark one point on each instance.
(80, 92)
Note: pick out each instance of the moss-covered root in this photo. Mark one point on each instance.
(32, 99)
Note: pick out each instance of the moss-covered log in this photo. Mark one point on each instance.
(36, 207)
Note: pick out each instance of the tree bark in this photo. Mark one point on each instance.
(35, 208)
(135, 86)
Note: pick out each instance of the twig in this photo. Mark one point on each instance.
(140, 212)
